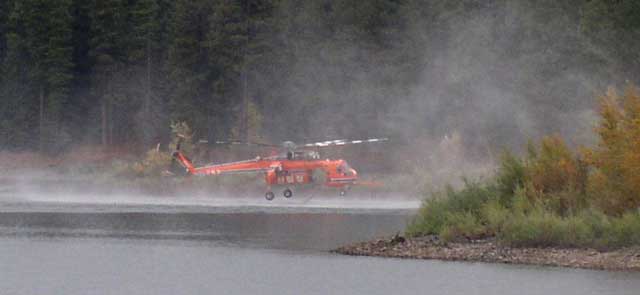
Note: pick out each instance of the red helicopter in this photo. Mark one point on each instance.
(295, 166)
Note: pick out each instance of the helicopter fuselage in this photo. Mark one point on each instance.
(298, 165)
(281, 170)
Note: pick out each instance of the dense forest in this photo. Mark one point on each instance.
(496, 72)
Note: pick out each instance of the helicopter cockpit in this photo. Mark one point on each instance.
(303, 155)
(345, 169)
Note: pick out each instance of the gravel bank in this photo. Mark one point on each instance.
(627, 259)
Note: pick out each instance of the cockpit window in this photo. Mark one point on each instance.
(301, 155)
(345, 169)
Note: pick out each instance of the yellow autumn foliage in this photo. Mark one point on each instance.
(607, 176)
(553, 167)
(553, 174)
(614, 184)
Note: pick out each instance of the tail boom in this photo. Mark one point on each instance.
(185, 162)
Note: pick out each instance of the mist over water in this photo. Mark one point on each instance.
(49, 191)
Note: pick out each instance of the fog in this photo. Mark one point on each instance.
(490, 78)
(41, 191)
(450, 86)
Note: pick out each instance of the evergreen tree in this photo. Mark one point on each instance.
(4, 18)
(5, 6)
(286, 69)
(239, 46)
(228, 50)
(145, 57)
(81, 102)
(110, 38)
(615, 26)
(189, 67)
(40, 61)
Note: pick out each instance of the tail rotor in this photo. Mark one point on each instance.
(178, 157)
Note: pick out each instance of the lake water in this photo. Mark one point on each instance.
(244, 247)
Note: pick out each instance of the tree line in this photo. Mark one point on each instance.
(117, 72)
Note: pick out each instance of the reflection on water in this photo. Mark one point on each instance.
(248, 253)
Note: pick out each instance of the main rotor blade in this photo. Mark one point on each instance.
(238, 142)
(341, 142)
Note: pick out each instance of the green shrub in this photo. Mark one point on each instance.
(431, 217)
(460, 225)
(511, 176)
(521, 203)
(471, 198)
(597, 222)
(475, 212)
(622, 231)
(588, 229)
(576, 232)
(433, 214)
(538, 228)
(495, 215)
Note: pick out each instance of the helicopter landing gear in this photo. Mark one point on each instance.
(287, 193)
(343, 191)
(269, 196)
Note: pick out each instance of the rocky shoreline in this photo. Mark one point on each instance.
(430, 247)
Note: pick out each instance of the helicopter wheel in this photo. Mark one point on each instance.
(269, 196)
(344, 189)
(287, 193)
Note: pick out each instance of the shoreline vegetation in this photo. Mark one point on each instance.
(554, 206)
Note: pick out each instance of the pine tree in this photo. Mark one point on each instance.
(238, 45)
(78, 112)
(144, 58)
(227, 44)
(5, 6)
(615, 26)
(108, 50)
(4, 17)
(189, 67)
(40, 61)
